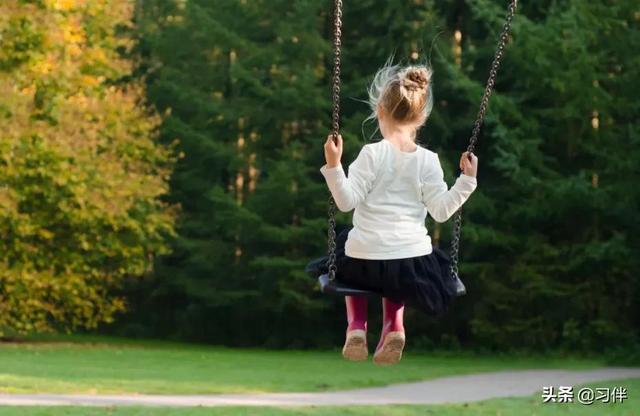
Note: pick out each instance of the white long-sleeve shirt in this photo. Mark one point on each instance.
(392, 191)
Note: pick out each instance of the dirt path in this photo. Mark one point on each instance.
(453, 389)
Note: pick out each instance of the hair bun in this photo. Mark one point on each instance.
(416, 79)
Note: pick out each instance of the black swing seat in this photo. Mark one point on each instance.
(319, 268)
(340, 289)
(336, 288)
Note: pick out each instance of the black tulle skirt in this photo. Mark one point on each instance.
(422, 282)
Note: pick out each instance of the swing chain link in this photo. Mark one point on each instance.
(337, 43)
(504, 37)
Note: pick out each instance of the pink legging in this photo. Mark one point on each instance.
(392, 313)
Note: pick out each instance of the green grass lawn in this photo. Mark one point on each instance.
(525, 406)
(100, 365)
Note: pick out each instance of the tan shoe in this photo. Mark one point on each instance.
(355, 345)
(391, 350)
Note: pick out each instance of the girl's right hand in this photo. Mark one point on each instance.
(333, 151)
(469, 164)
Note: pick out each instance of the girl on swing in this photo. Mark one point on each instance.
(392, 185)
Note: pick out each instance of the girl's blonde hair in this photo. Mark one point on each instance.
(404, 92)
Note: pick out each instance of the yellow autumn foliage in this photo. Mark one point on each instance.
(81, 172)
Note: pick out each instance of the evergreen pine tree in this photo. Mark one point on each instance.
(244, 83)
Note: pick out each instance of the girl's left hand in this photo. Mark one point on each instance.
(469, 164)
(333, 151)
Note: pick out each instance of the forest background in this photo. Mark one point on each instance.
(160, 167)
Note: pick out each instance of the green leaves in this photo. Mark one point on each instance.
(20, 41)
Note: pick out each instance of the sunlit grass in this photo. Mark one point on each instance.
(100, 365)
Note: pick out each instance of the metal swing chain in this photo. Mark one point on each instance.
(337, 43)
(504, 36)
